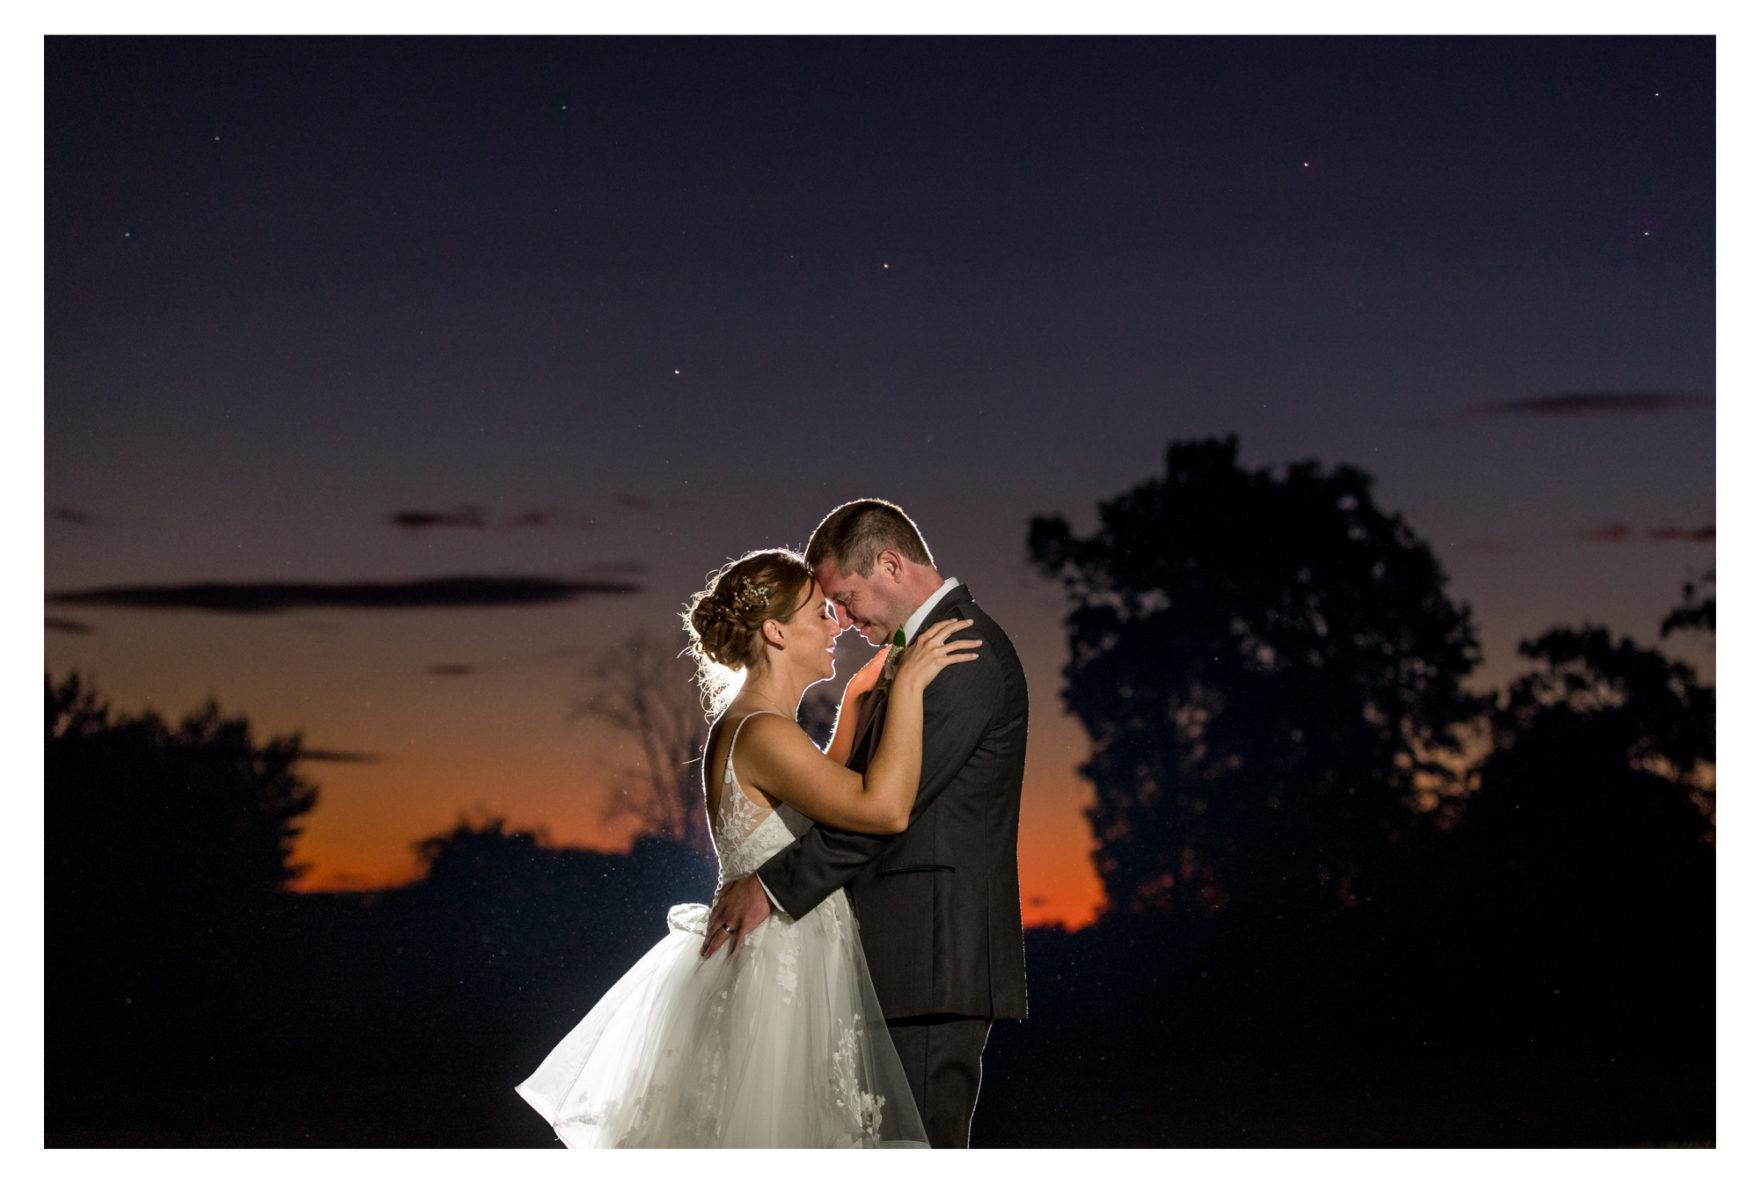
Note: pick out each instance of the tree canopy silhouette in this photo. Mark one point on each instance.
(135, 807)
(495, 900)
(483, 861)
(1266, 667)
(1587, 847)
(1695, 612)
(166, 854)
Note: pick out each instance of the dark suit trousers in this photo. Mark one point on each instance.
(940, 1053)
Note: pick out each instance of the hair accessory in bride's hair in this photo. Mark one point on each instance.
(748, 596)
(724, 619)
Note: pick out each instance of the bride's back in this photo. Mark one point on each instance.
(740, 826)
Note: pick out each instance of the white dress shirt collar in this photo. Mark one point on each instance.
(915, 622)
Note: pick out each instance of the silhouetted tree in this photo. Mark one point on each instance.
(1587, 845)
(1694, 612)
(1646, 710)
(1265, 667)
(137, 809)
(649, 694)
(472, 853)
(646, 691)
(523, 868)
(166, 850)
(508, 901)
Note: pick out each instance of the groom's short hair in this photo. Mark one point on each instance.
(852, 537)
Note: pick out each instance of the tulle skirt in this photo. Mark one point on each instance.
(782, 1044)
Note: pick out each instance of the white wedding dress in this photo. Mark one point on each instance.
(781, 1044)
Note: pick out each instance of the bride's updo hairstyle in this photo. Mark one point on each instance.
(726, 619)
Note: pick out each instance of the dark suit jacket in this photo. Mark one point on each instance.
(939, 904)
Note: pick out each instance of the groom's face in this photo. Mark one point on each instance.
(861, 602)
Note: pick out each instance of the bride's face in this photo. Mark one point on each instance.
(813, 635)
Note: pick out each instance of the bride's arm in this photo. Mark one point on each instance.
(843, 732)
(781, 761)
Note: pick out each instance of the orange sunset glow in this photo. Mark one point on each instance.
(402, 752)
(347, 848)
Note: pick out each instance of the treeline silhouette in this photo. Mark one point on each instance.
(1349, 902)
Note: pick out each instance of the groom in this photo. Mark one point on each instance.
(939, 904)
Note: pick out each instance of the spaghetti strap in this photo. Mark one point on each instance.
(727, 771)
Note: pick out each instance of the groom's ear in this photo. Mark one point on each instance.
(890, 565)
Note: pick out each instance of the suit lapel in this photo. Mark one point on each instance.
(868, 736)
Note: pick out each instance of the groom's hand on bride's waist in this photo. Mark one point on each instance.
(742, 906)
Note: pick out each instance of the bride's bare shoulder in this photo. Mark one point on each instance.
(733, 737)
(765, 728)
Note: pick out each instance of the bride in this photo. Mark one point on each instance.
(776, 1039)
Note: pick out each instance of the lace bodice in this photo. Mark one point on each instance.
(745, 833)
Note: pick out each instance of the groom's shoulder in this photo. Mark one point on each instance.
(1002, 658)
(963, 604)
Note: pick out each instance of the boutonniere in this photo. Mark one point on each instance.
(892, 656)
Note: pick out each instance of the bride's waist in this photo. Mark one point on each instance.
(740, 865)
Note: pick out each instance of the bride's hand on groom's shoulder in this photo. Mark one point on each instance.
(934, 650)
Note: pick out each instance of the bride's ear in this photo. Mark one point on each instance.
(772, 631)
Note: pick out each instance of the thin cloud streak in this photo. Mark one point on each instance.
(69, 515)
(477, 520)
(67, 626)
(451, 670)
(339, 757)
(1704, 535)
(421, 521)
(1574, 403)
(1592, 403)
(273, 597)
(548, 517)
(1619, 533)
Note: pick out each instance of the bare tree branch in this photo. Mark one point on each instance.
(645, 690)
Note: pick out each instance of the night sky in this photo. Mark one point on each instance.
(328, 317)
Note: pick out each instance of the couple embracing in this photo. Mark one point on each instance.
(867, 928)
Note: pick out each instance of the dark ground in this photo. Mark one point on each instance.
(408, 1022)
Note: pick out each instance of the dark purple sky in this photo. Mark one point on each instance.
(605, 312)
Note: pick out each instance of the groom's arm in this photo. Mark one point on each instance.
(961, 703)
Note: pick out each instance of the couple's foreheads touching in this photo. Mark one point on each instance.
(867, 560)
